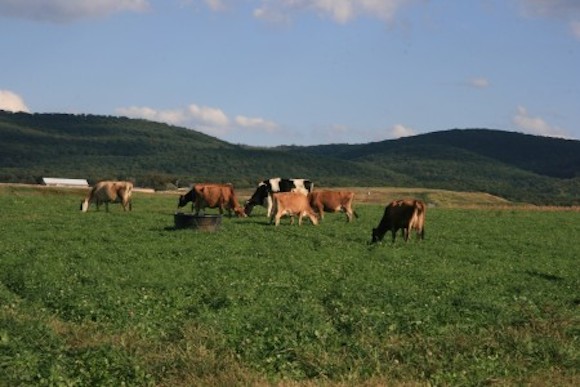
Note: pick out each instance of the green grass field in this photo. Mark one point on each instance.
(491, 296)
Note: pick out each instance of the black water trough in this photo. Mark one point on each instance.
(199, 222)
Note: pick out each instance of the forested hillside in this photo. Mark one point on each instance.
(512, 165)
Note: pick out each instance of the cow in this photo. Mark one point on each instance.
(109, 192)
(332, 201)
(221, 196)
(292, 203)
(407, 215)
(263, 194)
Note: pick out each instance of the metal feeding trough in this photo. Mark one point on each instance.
(199, 222)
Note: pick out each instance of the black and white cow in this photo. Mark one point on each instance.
(263, 194)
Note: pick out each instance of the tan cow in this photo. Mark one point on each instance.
(292, 203)
(418, 221)
(332, 201)
(211, 195)
(109, 192)
(407, 215)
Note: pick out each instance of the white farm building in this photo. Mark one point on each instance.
(60, 182)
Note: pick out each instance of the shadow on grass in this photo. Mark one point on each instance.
(548, 277)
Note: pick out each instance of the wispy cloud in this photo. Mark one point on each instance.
(575, 28)
(565, 10)
(478, 82)
(12, 102)
(66, 11)
(216, 5)
(400, 130)
(550, 8)
(210, 120)
(535, 125)
(340, 11)
(257, 124)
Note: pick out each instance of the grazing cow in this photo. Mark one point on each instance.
(266, 188)
(292, 203)
(332, 201)
(213, 196)
(406, 215)
(109, 192)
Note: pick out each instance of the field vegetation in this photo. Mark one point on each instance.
(122, 298)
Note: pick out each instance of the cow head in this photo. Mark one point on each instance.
(377, 235)
(257, 198)
(184, 199)
(248, 207)
(241, 212)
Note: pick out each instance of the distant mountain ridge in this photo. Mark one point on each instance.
(547, 156)
(516, 166)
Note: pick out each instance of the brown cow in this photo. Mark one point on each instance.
(332, 201)
(109, 192)
(292, 203)
(213, 196)
(406, 215)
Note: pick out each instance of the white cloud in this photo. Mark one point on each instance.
(207, 115)
(341, 11)
(257, 124)
(63, 11)
(210, 120)
(479, 83)
(12, 102)
(399, 130)
(535, 125)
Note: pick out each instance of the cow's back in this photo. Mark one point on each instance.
(209, 194)
(105, 191)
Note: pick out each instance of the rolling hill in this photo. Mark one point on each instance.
(515, 166)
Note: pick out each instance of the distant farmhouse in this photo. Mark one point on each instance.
(60, 182)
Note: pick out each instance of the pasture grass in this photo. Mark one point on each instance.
(490, 297)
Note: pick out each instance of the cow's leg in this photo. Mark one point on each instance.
(348, 213)
(269, 205)
(277, 218)
(321, 212)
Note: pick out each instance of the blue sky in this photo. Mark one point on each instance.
(304, 72)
